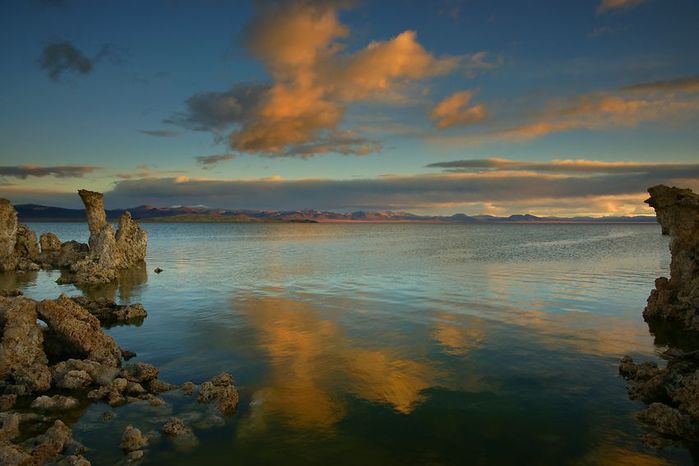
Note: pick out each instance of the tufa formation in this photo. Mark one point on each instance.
(98, 262)
(672, 393)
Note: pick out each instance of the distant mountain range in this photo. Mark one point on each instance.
(33, 212)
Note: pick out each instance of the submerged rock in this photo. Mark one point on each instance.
(132, 439)
(182, 436)
(54, 403)
(221, 392)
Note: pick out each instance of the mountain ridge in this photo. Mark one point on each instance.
(36, 212)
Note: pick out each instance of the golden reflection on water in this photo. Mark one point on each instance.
(612, 455)
(312, 360)
(456, 336)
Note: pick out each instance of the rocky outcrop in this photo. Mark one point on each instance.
(36, 362)
(26, 249)
(98, 262)
(18, 246)
(677, 298)
(109, 252)
(79, 331)
(672, 392)
(23, 363)
(131, 240)
(133, 442)
(220, 392)
(8, 236)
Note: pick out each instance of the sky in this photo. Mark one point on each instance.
(433, 107)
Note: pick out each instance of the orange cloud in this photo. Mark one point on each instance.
(601, 111)
(608, 5)
(313, 82)
(454, 110)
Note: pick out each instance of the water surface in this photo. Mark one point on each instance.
(389, 344)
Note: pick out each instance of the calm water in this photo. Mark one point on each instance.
(389, 344)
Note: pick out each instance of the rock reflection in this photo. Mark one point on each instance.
(12, 280)
(129, 283)
(314, 366)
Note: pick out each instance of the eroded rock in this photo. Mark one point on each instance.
(221, 392)
(49, 445)
(672, 392)
(140, 372)
(109, 252)
(677, 298)
(182, 436)
(80, 330)
(8, 236)
(132, 439)
(23, 363)
(54, 403)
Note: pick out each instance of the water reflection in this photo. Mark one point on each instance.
(130, 283)
(312, 363)
(393, 345)
(13, 280)
(457, 335)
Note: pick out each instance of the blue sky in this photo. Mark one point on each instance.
(298, 94)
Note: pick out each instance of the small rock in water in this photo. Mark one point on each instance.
(54, 403)
(221, 391)
(181, 435)
(158, 270)
(135, 455)
(132, 439)
(188, 388)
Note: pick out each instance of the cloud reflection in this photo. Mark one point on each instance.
(309, 356)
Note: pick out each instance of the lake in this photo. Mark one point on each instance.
(388, 344)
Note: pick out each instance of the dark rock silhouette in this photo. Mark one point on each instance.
(672, 393)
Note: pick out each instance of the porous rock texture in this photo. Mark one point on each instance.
(672, 392)
(95, 263)
(677, 298)
(18, 246)
(79, 330)
(55, 359)
(23, 363)
(109, 252)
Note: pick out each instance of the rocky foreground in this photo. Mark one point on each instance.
(672, 392)
(54, 354)
(95, 263)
